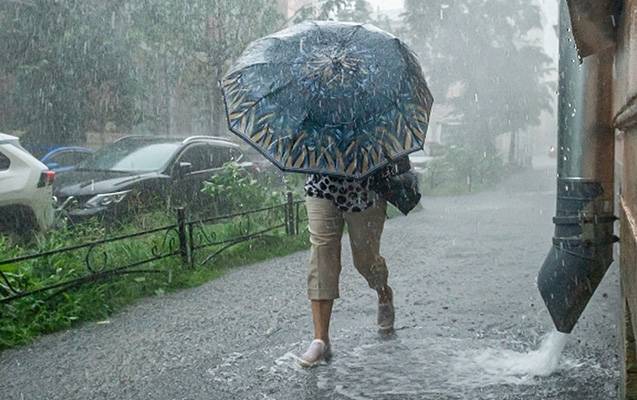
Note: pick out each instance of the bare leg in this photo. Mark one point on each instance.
(385, 295)
(321, 314)
(319, 349)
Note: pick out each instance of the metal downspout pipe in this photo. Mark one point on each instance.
(582, 244)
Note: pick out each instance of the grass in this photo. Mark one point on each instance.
(24, 319)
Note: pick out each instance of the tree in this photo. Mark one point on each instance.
(342, 10)
(483, 49)
(356, 10)
(70, 69)
(80, 64)
(185, 48)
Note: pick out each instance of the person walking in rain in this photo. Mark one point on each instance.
(344, 103)
(331, 203)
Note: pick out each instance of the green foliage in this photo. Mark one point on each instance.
(183, 49)
(234, 190)
(342, 10)
(74, 65)
(461, 169)
(499, 74)
(69, 66)
(437, 172)
(25, 318)
(470, 165)
(28, 317)
(355, 10)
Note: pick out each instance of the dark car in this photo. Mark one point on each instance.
(143, 172)
(64, 159)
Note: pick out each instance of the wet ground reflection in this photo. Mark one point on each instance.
(408, 366)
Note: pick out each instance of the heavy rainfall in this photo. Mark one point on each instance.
(178, 181)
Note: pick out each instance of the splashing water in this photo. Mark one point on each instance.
(414, 365)
(500, 366)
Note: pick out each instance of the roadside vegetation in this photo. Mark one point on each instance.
(27, 317)
(461, 170)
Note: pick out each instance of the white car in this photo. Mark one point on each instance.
(26, 198)
(419, 161)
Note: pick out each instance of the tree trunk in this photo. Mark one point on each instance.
(218, 110)
(209, 112)
(164, 116)
(172, 105)
(513, 148)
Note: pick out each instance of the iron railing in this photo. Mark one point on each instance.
(186, 239)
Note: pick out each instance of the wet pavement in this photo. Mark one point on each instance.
(463, 272)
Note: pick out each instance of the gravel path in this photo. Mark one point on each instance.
(463, 271)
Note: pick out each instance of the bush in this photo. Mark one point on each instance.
(460, 170)
(436, 173)
(234, 189)
(23, 319)
(436, 149)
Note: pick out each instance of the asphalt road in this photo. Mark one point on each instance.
(463, 271)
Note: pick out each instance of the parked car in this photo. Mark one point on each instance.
(26, 199)
(419, 161)
(64, 159)
(138, 173)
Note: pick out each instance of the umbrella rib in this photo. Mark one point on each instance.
(318, 28)
(353, 33)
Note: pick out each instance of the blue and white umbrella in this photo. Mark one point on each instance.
(334, 98)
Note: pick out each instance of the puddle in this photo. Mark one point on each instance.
(448, 368)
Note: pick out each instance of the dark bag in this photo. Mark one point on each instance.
(398, 185)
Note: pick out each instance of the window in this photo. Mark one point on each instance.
(225, 155)
(69, 158)
(199, 156)
(5, 163)
(129, 155)
(235, 155)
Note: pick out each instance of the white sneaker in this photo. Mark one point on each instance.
(317, 351)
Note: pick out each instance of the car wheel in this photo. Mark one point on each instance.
(18, 220)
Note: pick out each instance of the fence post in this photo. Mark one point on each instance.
(191, 246)
(289, 214)
(297, 218)
(181, 230)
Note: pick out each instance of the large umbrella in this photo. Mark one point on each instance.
(329, 97)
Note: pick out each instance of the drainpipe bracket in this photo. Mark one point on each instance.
(575, 242)
(594, 219)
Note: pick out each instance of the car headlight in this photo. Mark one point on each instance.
(107, 199)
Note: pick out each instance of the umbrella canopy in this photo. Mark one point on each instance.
(325, 97)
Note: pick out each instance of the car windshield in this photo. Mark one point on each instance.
(131, 155)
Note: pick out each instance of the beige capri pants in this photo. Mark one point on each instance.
(326, 222)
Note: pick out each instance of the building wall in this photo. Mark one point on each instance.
(625, 110)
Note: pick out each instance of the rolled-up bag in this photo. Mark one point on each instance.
(397, 185)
